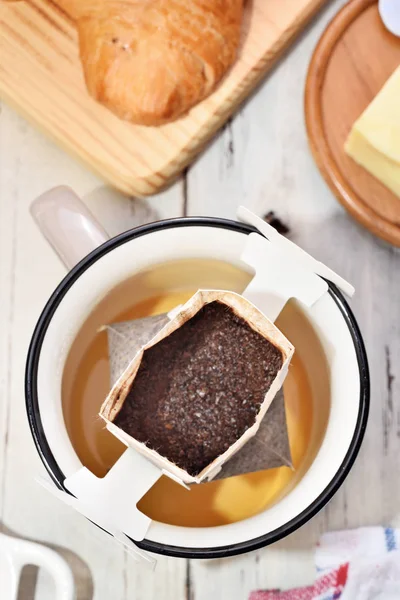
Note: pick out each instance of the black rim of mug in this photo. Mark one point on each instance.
(46, 455)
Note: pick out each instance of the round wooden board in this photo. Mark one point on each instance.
(352, 61)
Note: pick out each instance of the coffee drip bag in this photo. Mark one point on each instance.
(222, 362)
(268, 449)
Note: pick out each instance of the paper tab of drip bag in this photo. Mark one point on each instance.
(283, 270)
(117, 494)
(278, 278)
(105, 521)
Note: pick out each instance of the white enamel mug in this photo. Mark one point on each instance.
(103, 264)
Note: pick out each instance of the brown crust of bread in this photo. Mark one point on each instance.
(150, 61)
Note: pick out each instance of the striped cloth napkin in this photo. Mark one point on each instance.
(362, 564)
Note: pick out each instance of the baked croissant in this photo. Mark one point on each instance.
(150, 61)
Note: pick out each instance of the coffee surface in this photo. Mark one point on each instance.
(198, 390)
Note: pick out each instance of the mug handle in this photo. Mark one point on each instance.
(67, 224)
(20, 553)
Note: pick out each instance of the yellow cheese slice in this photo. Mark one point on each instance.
(377, 163)
(374, 141)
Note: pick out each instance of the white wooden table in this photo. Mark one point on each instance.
(261, 159)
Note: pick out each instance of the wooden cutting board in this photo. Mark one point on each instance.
(41, 76)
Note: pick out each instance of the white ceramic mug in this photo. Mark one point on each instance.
(103, 264)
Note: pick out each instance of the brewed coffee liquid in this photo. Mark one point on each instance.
(86, 384)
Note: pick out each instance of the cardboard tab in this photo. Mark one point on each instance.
(117, 494)
(105, 522)
(292, 252)
(278, 278)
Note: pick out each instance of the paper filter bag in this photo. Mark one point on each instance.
(161, 327)
(268, 449)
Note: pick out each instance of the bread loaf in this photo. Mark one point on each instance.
(150, 61)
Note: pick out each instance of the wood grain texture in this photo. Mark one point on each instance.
(352, 61)
(260, 159)
(41, 76)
